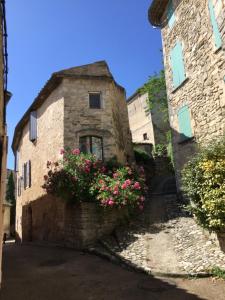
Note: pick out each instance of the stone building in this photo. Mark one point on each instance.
(4, 98)
(147, 126)
(81, 107)
(193, 35)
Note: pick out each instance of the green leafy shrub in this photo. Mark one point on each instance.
(80, 177)
(203, 181)
(124, 187)
(142, 156)
(160, 150)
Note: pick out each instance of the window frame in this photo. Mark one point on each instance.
(215, 26)
(171, 18)
(176, 65)
(33, 126)
(101, 101)
(185, 137)
(91, 143)
(145, 136)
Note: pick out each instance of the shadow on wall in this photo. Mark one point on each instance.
(184, 148)
(52, 220)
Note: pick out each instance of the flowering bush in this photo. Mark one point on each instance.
(121, 188)
(204, 184)
(80, 177)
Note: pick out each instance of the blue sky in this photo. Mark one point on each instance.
(49, 35)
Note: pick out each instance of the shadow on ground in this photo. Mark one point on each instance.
(159, 209)
(34, 273)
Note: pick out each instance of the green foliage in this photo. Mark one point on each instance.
(217, 272)
(157, 97)
(170, 148)
(80, 177)
(10, 190)
(124, 187)
(159, 150)
(142, 156)
(203, 181)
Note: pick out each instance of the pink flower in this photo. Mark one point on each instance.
(88, 162)
(76, 151)
(110, 202)
(128, 182)
(137, 185)
(62, 151)
(142, 170)
(124, 186)
(142, 198)
(103, 169)
(87, 170)
(141, 207)
(115, 175)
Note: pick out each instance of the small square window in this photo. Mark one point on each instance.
(145, 136)
(95, 100)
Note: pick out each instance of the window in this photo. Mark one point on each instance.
(184, 121)
(17, 161)
(216, 32)
(177, 65)
(27, 174)
(145, 136)
(19, 186)
(170, 14)
(33, 126)
(92, 144)
(95, 100)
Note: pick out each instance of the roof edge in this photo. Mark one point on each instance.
(55, 79)
(155, 12)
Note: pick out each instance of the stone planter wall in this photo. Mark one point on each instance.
(52, 220)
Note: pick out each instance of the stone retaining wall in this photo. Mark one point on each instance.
(77, 226)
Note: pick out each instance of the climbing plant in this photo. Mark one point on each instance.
(157, 99)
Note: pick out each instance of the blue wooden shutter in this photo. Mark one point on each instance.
(216, 32)
(33, 126)
(184, 121)
(170, 14)
(177, 65)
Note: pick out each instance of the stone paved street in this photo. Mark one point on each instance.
(165, 240)
(41, 273)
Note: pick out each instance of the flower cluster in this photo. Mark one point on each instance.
(204, 184)
(81, 177)
(121, 188)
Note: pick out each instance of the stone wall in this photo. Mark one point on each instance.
(46, 147)
(139, 119)
(110, 122)
(204, 88)
(3, 139)
(147, 122)
(51, 220)
(61, 119)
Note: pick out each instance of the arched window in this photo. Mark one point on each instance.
(92, 144)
